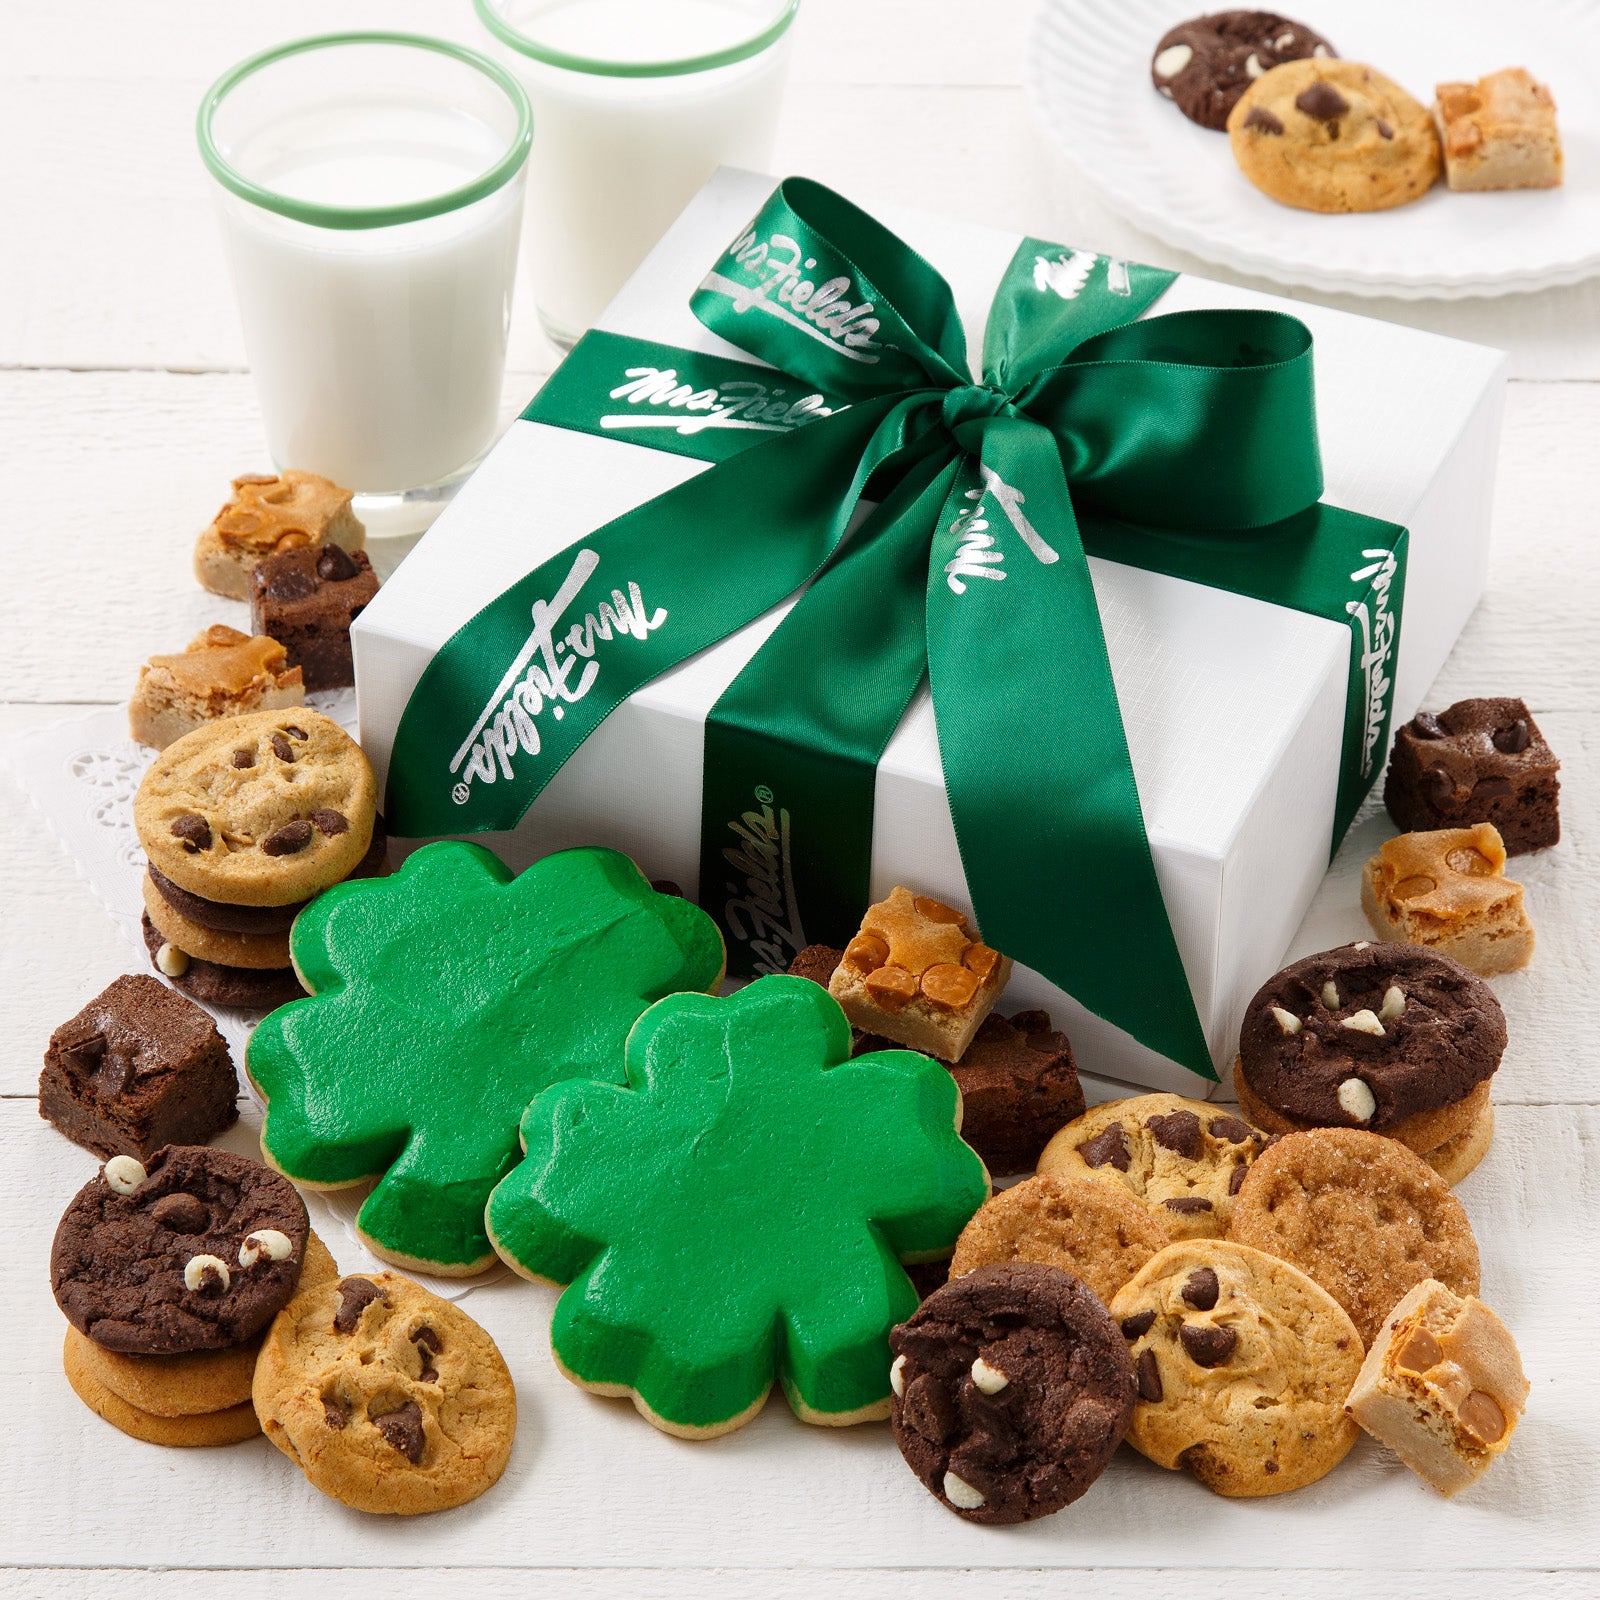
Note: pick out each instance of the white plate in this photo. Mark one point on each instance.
(1089, 80)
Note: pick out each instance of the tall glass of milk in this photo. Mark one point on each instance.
(370, 190)
(637, 102)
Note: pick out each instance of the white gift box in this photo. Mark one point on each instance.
(1233, 707)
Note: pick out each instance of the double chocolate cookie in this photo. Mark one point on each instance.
(1204, 65)
(197, 1250)
(1391, 1038)
(1012, 1389)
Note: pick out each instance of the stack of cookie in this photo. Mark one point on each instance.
(169, 1273)
(243, 821)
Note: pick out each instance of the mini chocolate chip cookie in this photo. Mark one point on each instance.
(1092, 1230)
(1204, 65)
(1012, 1389)
(197, 1250)
(1242, 1364)
(386, 1397)
(1388, 1037)
(1331, 136)
(1183, 1159)
(262, 810)
(1364, 1216)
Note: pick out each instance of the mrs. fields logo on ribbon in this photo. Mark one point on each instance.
(541, 678)
(761, 911)
(1067, 274)
(777, 268)
(743, 403)
(978, 556)
(1378, 628)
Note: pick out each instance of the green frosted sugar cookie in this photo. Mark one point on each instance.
(443, 999)
(739, 1211)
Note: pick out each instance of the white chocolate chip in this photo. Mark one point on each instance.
(1287, 1020)
(1171, 61)
(172, 961)
(200, 1268)
(960, 1493)
(1362, 944)
(1321, 51)
(123, 1174)
(1330, 995)
(1362, 1022)
(266, 1242)
(897, 1377)
(1394, 1002)
(1284, 40)
(1252, 66)
(990, 1379)
(1357, 1099)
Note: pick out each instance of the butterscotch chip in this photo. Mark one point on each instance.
(949, 986)
(865, 953)
(1364, 1216)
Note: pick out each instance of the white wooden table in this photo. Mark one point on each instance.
(125, 408)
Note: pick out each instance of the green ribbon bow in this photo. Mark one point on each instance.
(1183, 443)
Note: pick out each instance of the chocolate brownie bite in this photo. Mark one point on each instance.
(1476, 761)
(1012, 1389)
(139, 1067)
(198, 1249)
(306, 599)
(1204, 65)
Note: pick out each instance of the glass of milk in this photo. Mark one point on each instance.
(370, 190)
(637, 102)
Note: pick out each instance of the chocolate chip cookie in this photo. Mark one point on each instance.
(1183, 1159)
(262, 810)
(196, 1250)
(1364, 1216)
(1092, 1230)
(1324, 135)
(386, 1397)
(1242, 1364)
(1012, 1389)
(1204, 65)
(1388, 1037)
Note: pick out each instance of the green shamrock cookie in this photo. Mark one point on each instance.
(739, 1210)
(443, 999)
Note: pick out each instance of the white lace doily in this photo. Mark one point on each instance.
(82, 775)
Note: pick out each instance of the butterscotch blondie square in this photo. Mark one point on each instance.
(221, 673)
(1498, 133)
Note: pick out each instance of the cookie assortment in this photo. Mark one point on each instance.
(1323, 134)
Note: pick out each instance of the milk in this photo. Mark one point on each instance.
(615, 159)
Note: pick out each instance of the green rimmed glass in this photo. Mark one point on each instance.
(489, 14)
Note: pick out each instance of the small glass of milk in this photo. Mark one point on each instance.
(637, 102)
(370, 190)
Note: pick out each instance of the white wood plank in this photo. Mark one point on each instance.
(590, 1484)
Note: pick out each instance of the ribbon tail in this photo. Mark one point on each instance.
(1041, 787)
(792, 746)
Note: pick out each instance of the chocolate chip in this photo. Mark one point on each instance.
(1321, 101)
(1436, 784)
(244, 758)
(1200, 1288)
(290, 585)
(297, 733)
(1187, 1206)
(1236, 1178)
(1513, 739)
(1271, 1468)
(335, 566)
(355, 1295)
(1260, 117)
(928, 1409)
(667, 886)
(1139, 1324)
(1231, 1129)
(1425, 725)
(1384, 130)
(1179, 1132)
(1149, 1375)
(281, 748)
(333, 1412)
(1207, 1346)
(194, 830)
(292, 836)
(1107, 1149)
(428, 1346)
(403, 1429)
(330, 822)
(1492, 789)
(182, 1213)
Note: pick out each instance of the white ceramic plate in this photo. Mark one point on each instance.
(1089, 80)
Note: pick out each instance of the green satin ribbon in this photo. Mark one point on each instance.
(1183, 443)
